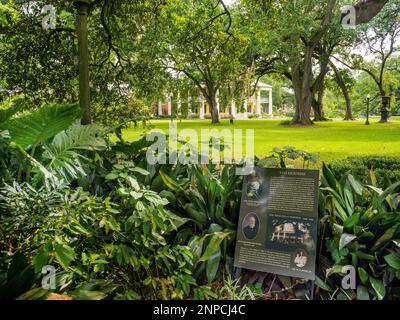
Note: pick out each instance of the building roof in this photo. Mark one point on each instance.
(263, 85)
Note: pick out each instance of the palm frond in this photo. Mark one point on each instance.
(64, 153)
(42, 124)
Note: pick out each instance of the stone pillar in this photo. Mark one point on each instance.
(169, 105)
(189, 104)
(217, 100)
(258, 103)
(270, 103)
(233, 107)
(160, 108)
(82, 7)
(178, 106)
(202, 107)
(245, 114)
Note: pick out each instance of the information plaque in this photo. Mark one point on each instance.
(277, 229)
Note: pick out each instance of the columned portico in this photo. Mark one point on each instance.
(160, 108)
(189, 101)
(169, 105)
(233, 107)
(256, 105)
(245, 113)
(202, 107)
(178, 104)
(270, 103)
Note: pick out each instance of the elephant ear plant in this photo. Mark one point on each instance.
(210, 198)
(360, 227)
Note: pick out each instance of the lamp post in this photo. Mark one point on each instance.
(385, 109)
(82, 7)
(368, 100)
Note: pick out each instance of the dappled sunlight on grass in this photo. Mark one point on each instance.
(331, 139)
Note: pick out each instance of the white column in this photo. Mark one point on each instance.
(202, 107)
(179, 104)
(189, 103)
(245, 115)
(217, 100)
(258, 103)
(233, 107)
(160, 108)
(169, 105)
(270, 103)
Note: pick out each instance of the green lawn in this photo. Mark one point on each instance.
(331, 140)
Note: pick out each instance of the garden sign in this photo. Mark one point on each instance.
(277, 229)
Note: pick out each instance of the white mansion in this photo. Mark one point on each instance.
(254, 105)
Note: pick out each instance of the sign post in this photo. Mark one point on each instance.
(277, 229)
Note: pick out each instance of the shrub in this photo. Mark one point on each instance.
(359, 226)
(122, 246)
(386, 169)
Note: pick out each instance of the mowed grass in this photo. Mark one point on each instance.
(330, 140)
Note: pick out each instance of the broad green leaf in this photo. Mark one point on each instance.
(345, 239)
(393, 260)
(140, 171)
(64, 155)
(214, 244)
(385, 238)
(170, 183)
(328, 175)
(34, 294)
(64, 255)
(357, 186)
(362, 293)
(363, 275)
(379, 288)
(41, 259)
(5, 115)
(321, 284)
(133, 183)
(212, 265)
(352, 220)
(42, 124)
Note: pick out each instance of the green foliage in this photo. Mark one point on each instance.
(130, 245)
(209, 198)
(281, 157)
(360, 226)
(376, 170)
(232, 290)
(63, 155)
(44, 123)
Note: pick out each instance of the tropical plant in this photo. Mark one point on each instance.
(232, 290)
(65, 155)
(210, 200)
(36, 127)
(122, 246)
(360, 226)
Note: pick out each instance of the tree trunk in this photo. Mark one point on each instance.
(366, 10)
(318, 89)
(345, 91)
(301, 79)
(212, 102)
(317, 105)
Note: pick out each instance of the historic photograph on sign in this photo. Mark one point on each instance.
(290, 232)
(277, 227)
(251, 224)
